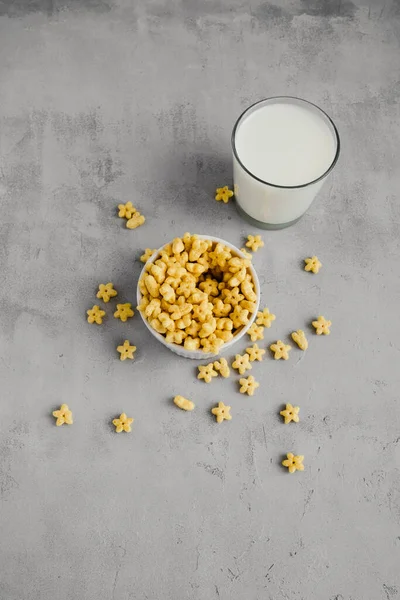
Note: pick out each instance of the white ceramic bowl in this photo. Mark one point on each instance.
(199, 354)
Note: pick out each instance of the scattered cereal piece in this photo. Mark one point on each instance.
(148, 253)
(95, 315)
(123, 423)
(291, 413)
(312, 264)
(222, 367)
(322, 326)
(184, 403)
(255, 353)
(207, 372)
(281, 350)
(223, 193)
(265, 318)
(124, 311)
(254, 242)
(248, 385)
(242, 363)
(293, 463)
(135, 221)
(106, 292)
(126, 211)
(222, 412)
(126, 350)
(299, 337)
(255, 332)
(246, 253)
(63, 415)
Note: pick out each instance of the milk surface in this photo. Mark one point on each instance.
(286, 144)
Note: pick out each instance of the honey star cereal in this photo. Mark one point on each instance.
(280, 350)
(265, 318)
(124, 312)
(148, 253)
(254, 242)
(312, 264)
(123, 423)
(126, 350)
(95, 315)
(242, 363)
(126, 210)
(255, 332)
(255, 353)
(222, 412)
(291, 413)
(293, 463)
(207, 372)
(184, 403)
(322, 326)
(222, 367)
(224, 194)
(299, 337)
(248, 385)
(63, 415)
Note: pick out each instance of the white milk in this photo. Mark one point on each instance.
(284, 142)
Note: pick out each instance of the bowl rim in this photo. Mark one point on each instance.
(199, 354)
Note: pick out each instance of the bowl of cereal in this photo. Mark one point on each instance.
(198, 295)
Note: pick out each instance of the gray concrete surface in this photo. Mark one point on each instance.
(105, 101)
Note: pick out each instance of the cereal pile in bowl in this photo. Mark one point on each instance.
(198, 293)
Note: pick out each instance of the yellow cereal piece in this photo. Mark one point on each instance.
(247, 290)
(291, 413)
(193, 329)
(95, 315)
(312, 264)
(242, 363)
(63, 415)
(191, 343)
(222, 412)
(293, 463)
(124, 311)
(135, 221)
(168, 292)
(212, 344)
(167, 322)
(299, 337)
(248, 385)
(207, 372)
(209, 287)
(222, 367)
(123, 423)
(224, 335)
(237, 278)
(255, 332)
(250, 306)
(175, 337)
(265, 318)
(152, 286)
(126, 350)
(153, 308)
(247, 254)
(239, 317)
(225, 324)
(224, 194)
(220, 309)
(178, 246)
(126, 211)
(184, 322)
(148, 253)
(322, 326)
(184, 403)
(106, 292)
(255, 353)
(280, 350)
(254, 242)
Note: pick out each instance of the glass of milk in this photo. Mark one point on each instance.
(283, 150)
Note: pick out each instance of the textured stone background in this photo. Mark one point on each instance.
(104, 101)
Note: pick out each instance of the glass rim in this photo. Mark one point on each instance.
(275, 185)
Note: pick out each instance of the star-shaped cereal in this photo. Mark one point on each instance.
(223, 193)
(222, 367)
(232, 297)
(95, 315)
(299, 337)
(280, 350)
(123, 423)
(222, 412)
(312, 264)
(293, 463)
(207, 372)
(184, 403)
(248, 385)
(148, 253)
(265, 318)
(255, 353)
(246, 253)
(322, 326)
(291, 413)
(254, 242)
(135, 221)
(106, 292)
(255, 332)
(126, 350)
(63, 415)
(242, 363)
(126, 210)
(124, 311)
